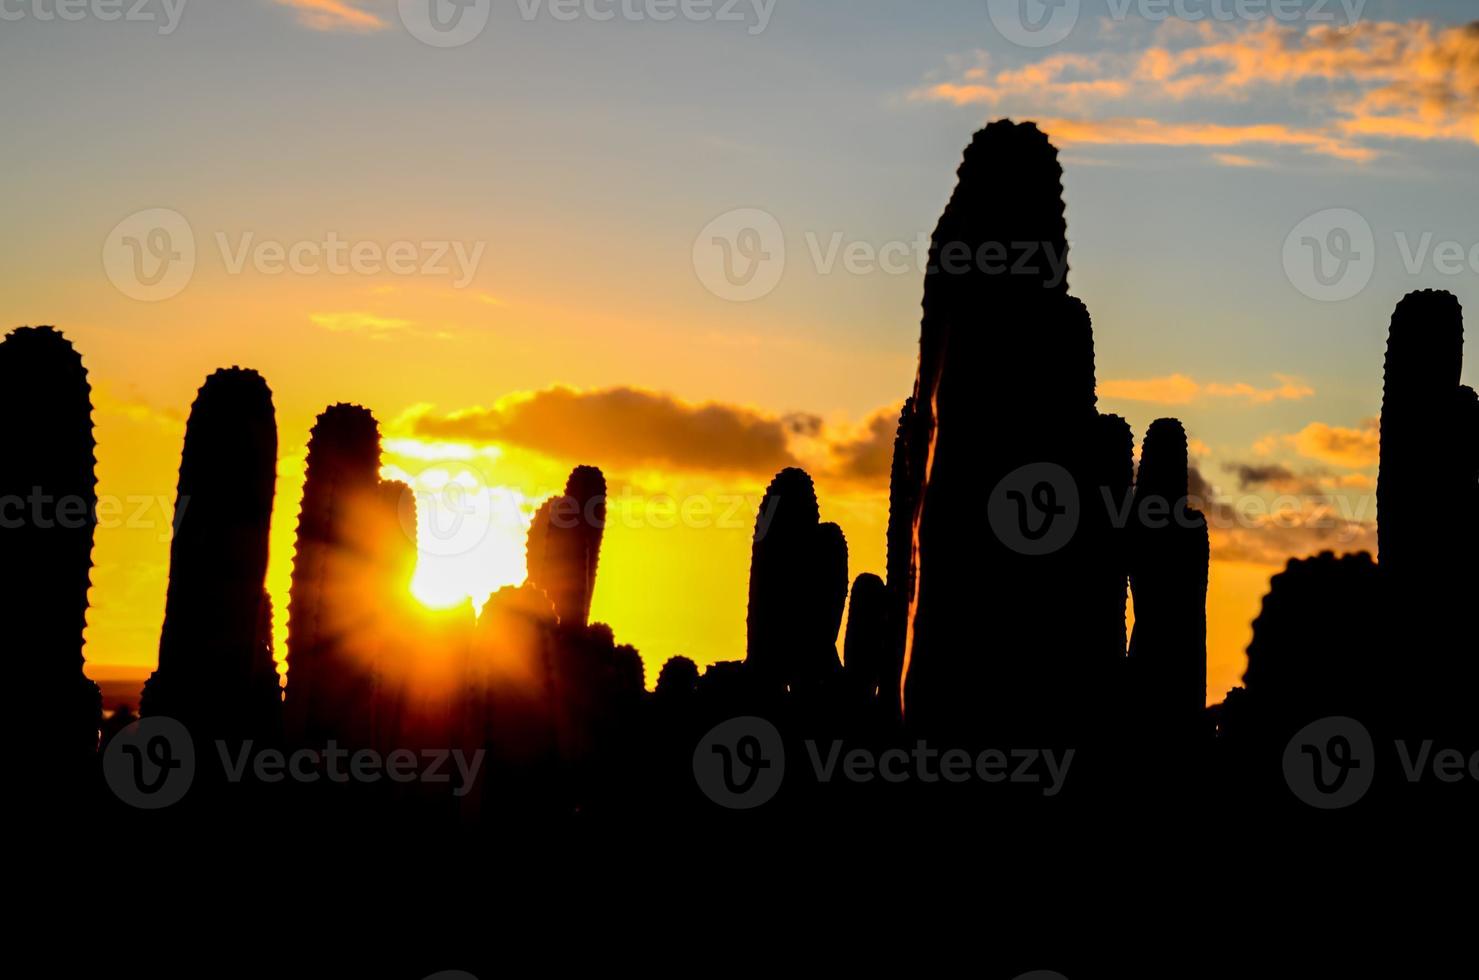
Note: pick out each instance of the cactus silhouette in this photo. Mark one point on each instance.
(216, 672)
(798, 587)
(1006, 382)
(564, 544)
(911, 442)
(1427, 498)
(45, 400)
(678, 680)
(866, 651)
(330, 684)
(1169, 556)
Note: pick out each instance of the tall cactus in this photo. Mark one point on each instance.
(48, 493)
(798, 587)
(215, 665)
(1427, 498)
(564, 545)
(1006, 381)
(330, 685)
(866, 649)
(1169, 556)
(911, 441)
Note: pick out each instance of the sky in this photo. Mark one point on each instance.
(504, 237)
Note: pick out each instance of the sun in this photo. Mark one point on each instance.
(469, 536)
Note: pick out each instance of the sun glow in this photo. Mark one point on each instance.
(469, 535)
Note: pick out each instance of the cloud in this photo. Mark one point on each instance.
(1325, 90)
(358, 323)
(1273, 475)
(868, 454)
(629, 427)
(1302, 522)
(1350, 448)
(334, 15)
(626, 428)
(1178, 389)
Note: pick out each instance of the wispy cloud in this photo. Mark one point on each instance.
(1178, 389)
(334, 15)
(1326, 90)
(367, 323)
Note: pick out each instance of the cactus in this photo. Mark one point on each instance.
(564, 545)
(866, 649)
(905, 481)
(798, 587)
(1169, 555)
(1315, 650)
(677, 681)
(330, 686)
(1429, 463)
(48, 483)
(1006, 381)
(216, 672)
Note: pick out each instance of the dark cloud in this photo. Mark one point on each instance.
(627, 427)
(868, 455)
(1273, 475)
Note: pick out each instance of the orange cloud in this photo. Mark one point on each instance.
(1374, 80)
(1351, 448)
(1178, 389)
(627, 427)
(334, 15)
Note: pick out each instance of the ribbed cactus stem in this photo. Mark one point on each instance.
(215, 668)
(798, 587)
(49, 493)
(1005, 386)
(1169, 555)
(563, 551)
(1422, 445)
(328, 686)
(865, 651)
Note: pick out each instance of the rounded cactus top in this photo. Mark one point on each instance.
(585, 483)
(345, 435)
(242, 388)
(1164, 461)
(1425, 349)
(790, 501)
(27, 353)
(1009, 194)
